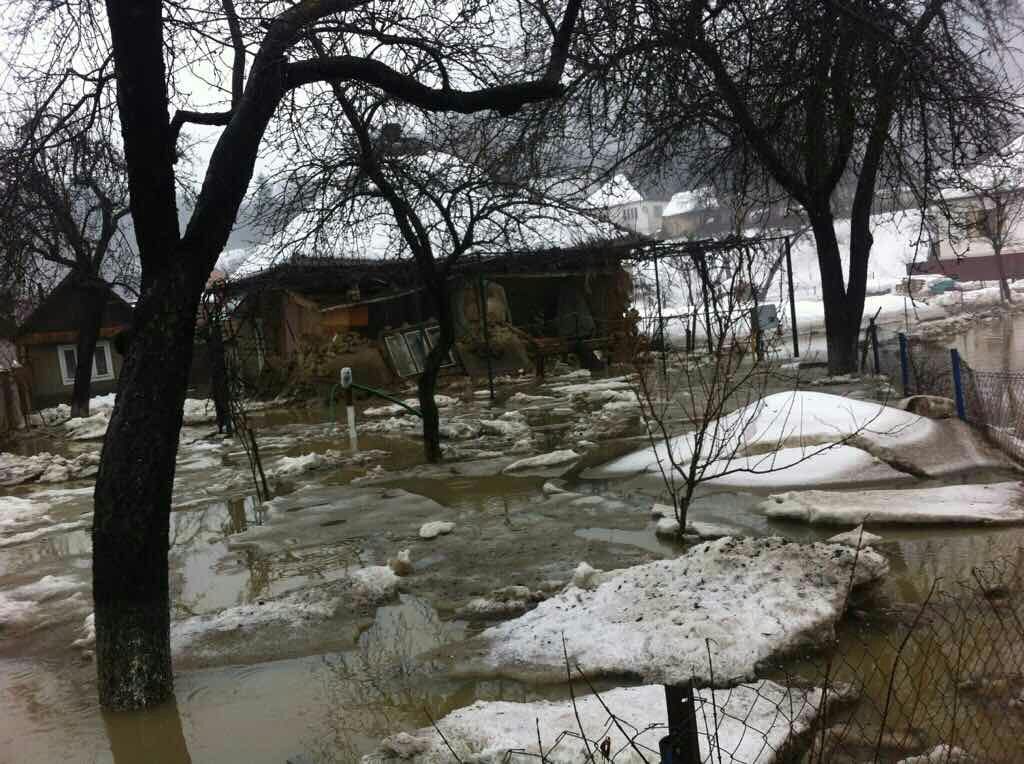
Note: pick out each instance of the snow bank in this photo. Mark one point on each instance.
(991, 504)
(754, 723)
(798, 467)
(797, 419)
(754, 598)
(558, 462)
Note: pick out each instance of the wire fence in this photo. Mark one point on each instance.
(935, 681)
(990, 399)
(995, 400)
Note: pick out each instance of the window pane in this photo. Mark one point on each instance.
(100, 362)
(417, 347)
(69, 363)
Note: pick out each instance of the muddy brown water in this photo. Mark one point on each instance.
(329, 691)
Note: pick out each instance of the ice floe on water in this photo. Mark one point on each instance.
(33, 605)
(986, 504)
(44, 531)
(858, 537)
(552, 464)
(754, 723)
(290, 614)
(45, 467)
(754, 598)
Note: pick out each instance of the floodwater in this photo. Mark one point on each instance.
(327, 689)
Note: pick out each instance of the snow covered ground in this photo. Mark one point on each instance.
(754, 722)
(753, 598)
(986, 504)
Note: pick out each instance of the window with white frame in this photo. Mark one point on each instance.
(102, 362)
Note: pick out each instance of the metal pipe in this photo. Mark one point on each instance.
(792, 299)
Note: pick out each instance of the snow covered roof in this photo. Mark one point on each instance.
(615, 192)
(1003, 171)
(517, 220)
(689, 201)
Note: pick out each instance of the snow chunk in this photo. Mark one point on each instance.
(88, 638)
(667, 526)
(435, 528)
(990, 504)
(374, 583)
(754, 722)
(558, 461)
(754, 598)
(88, 427)
(501, 603)
(585, 577)
(858, 537)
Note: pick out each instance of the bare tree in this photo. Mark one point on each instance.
(703, 406)
(988, 205)
(66, 205)
(816, 97)
(256, 55)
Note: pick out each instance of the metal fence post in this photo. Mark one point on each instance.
(681, 745)
(904, 365)
(958, 384)
(792, 299)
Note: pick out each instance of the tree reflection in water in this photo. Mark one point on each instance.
(154, 736)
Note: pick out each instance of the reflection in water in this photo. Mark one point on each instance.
(154, 736)
(383, 685)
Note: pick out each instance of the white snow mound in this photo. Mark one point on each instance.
(799, 419)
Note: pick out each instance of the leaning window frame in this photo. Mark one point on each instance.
(69, 380)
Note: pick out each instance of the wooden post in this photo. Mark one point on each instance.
(681, 745)
(958, 385)
(792, 299)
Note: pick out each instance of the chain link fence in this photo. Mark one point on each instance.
(994, 400)
(990, 399)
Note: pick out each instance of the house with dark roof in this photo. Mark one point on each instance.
(307, 317)
(47, 343)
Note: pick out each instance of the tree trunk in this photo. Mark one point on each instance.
(842, 315)
(94, 300)
(1004, 283)
(431, 369)
(133, 496)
